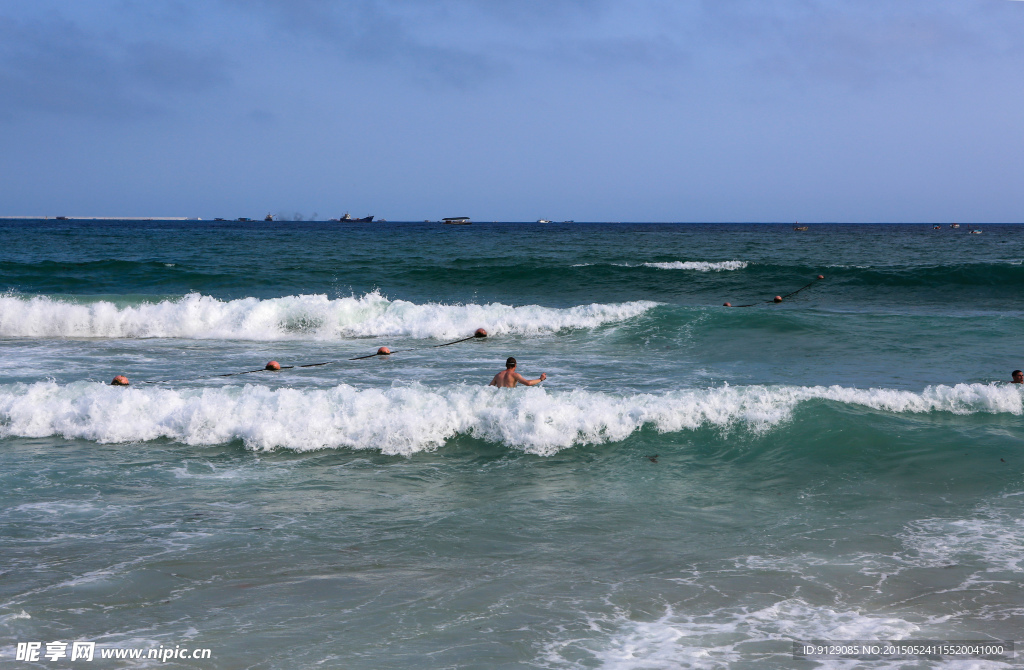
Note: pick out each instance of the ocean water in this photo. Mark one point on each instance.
(694, 486)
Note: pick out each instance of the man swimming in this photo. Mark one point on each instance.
(509, 378)
(1018, 377)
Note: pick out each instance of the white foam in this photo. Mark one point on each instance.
(993, 539)
(723, 638)
(15, 616)
(316, 317)
(56, 508)
(699, 266)
(406, 419)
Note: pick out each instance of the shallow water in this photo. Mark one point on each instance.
(844, 465)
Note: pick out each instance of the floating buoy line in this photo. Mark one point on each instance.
(779, 298)
(274, 366)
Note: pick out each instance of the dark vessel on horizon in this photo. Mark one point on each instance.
(348, 217)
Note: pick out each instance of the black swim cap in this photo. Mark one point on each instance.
(510, 363)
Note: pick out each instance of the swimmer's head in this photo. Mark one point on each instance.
(510, 363)
(1018, 377)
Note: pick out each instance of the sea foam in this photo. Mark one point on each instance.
(299, 317)
(720, 639)
(411, 418)
(699, 266)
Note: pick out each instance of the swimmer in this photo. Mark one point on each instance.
(1018, 377)
(509, 378)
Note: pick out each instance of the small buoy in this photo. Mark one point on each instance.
(727, 304)
(480, 332)
(777, 298)
(821, 276)
(273, 366)
(119, 380)
(383, 351)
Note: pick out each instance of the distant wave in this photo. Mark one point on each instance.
(404, 420)
(294, 317)
(699, 266)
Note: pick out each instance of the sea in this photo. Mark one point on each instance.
(693, 486)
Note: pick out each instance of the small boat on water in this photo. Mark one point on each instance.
(954, 225)
(973, 231)
(936, 227)
(268, 217)
(797, 226)
(243, 218)
(456, 221)
(543, 221)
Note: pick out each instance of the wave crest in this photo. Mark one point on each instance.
(699, 266)
(318, 317)
(404, 420)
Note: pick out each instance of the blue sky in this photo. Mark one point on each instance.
(684, 110)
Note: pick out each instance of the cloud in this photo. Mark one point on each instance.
(465, 42)
(380, 33)
(57, 66)
(859, 42)
(124, 59)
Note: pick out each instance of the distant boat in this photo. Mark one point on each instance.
(954, 225)
(797, 226)
(936, 227)
(268, 217)
(218, 219)
(569, 221)
(62, 218)
(348, 217)
(543, 221)
(973, 231)
(243, 218)
(456, 221)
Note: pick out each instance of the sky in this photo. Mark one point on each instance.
(591, 110)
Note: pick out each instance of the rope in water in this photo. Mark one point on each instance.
(274, 366)
(779, 298)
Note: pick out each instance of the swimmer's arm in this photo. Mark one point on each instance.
(530, 382)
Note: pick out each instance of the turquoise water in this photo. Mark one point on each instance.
(694, 486)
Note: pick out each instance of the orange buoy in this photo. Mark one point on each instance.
(119, 380)
(480, 332)
(778, 298)
(383, 351)
(821, 276)
(273, 366)
(727, 304)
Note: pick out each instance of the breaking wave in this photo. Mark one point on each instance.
(316, 317)
(699, 266)
(407, 419)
